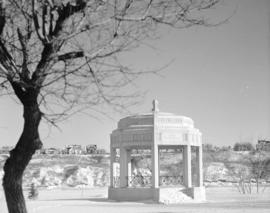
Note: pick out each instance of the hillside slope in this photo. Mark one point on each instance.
(93, 171)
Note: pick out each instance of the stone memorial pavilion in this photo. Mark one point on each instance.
(156, 131)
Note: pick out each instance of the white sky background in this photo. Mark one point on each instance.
(220, 77)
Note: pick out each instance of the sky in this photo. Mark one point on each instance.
(218, 76)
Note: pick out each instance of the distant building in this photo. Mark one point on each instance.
(263, 145)
(52, 151)
(91, 149)
(48, 151)
(74, 149)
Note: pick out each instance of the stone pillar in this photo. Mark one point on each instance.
(199, 164)
(112, 159)
(124, 166)
(155, 166)
(124, 158)
(187, 166)
(128, 166)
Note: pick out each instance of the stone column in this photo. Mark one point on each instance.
(112, 159)
(154, 148)
(128, 166)
(123, 167)
(155, 166)
(199, 164)
(124, 157)
(187, 166)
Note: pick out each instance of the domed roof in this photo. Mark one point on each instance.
(155, 128)
(160, 118)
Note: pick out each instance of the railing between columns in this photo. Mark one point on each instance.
(171, 180)
(139, 181)
(116, 182)
(146, 181)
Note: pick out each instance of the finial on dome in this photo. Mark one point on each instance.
(155, 106)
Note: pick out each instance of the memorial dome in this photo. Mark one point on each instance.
(162, 119)
(168, 120)
(156, 127)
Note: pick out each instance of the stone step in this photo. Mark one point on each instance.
(173, 195)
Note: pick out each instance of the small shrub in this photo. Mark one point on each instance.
(33, 193)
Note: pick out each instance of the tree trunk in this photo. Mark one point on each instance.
(19, 158)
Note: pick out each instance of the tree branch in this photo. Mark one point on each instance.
(51, 47)
(23, 42)
(2, 16)
(36, 24)
(70, 55)
(20, 93)
(65, 12)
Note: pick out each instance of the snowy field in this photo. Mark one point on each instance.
(219, 200)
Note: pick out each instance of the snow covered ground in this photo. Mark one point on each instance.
(94, 200)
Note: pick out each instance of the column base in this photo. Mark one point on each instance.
(133, 194)
(160, 195)
(197, 193)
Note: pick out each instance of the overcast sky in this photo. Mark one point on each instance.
(219, 77)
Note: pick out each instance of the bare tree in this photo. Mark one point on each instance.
(253, 169)
(57, 56)
(259, 163)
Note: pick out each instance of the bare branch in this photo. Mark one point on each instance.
(64, 12)
(25, 72)
(70, 55)
(35, 20)
(70, 51)
(2, 16)
(18, 90)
